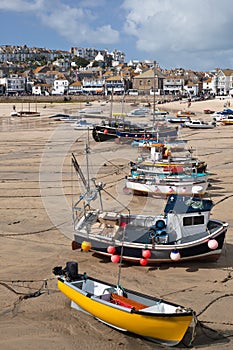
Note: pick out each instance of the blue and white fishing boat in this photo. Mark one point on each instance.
(183, 232)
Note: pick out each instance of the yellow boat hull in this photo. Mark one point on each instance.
(168, 330)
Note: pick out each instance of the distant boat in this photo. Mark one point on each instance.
(14, 114)
(69, 118)
(139, 112)
(83, 125)
(28, 114)
(180, 117)
(198, 124)
(228, 120)
(59, 116)
(91, 110)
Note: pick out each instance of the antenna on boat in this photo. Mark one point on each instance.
(87, 165)
(79, 171)
(89, 195)
(99, 188)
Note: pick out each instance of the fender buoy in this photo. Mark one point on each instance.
(85, 246)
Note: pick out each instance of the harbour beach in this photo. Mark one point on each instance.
(37, 185)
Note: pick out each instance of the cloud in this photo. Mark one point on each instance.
(77, 22)
(79, 25)
(21, 5)
(179, 27)
(174, 32)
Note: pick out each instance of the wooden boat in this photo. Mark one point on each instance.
(183, 232)
(124, 309)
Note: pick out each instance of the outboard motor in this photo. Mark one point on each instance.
(57, 270)
(71, 269)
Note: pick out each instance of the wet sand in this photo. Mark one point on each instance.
(37, 185)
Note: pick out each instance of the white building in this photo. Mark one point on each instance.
(60, 86)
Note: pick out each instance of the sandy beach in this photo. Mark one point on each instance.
(37, 189)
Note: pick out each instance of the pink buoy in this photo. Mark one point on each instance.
(175, 255)
(170, 190)
(115, 258)
(105, 131)
(111, 249)
(146, 253)
(213, 244)
(143, 262)
(183, 190)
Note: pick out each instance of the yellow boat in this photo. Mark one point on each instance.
(124, 309)
(227, 120)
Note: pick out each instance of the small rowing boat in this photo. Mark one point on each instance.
(124, 309)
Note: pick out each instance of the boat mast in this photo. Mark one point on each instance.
(111, 104)
(154, 96)
(121, 256)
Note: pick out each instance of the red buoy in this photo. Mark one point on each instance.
(146, 253)
(115, 258)
(143, 262)
(111, 249)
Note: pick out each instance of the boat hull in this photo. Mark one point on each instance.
(28, 114)
(101, 134)
(165, 329)
(197, 250)
(160, 189)
(163, 134)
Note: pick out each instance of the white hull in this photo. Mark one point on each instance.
(183, 188)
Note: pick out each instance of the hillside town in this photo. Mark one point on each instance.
(86, 71)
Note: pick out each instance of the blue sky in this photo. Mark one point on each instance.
(176, 33)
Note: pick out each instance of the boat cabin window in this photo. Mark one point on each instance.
(193, 220)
